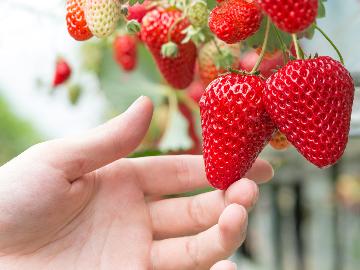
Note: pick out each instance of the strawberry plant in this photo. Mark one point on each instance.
(244, 57)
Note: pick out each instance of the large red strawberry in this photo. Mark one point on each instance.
(75, 19)
(235, 127)
(270, 62)
(178, 70)
(125, 52)
(62, 72)
(311, 101)
(291, 15)
(235, 20)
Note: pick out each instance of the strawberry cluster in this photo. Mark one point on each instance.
(251, 99)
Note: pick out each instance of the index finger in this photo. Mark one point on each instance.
(164, 175)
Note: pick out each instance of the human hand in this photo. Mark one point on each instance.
(78, 204)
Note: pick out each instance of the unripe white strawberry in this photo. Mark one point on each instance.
(102, 16)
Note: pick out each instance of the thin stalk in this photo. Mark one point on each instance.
(282, 44)
(299, 55)
(332, 43)
(217, 46)
(263, 49)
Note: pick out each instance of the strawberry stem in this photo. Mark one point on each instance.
(299, 53)
(332, 43)
(189, 102)
(282, 44)
(217, 46)
(263, 49)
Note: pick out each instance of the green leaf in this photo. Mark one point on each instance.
(176, 137)
(321, 9)
(310, 32)
(257, 39)
(122, 88)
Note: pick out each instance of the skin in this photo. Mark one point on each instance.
(77, 203)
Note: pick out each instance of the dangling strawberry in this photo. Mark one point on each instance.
(62, 72)
(102, 16)
(75, 19)
(279, 141)
(235, 20)
(270, 62)
(235, 127)
(310, 101)
(291, 15)
(125, 52)
(179, 69)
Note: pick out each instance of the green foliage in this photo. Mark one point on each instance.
(16, 134)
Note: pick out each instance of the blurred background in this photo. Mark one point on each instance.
(306, 219)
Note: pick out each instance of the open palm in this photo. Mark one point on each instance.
(75, 204)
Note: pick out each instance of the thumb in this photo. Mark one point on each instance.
(102, 145)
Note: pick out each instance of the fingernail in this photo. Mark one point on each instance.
(234, 265)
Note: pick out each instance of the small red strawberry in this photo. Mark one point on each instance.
(235, 127)
(62, 72)
(310, 101)
(235, 20)
(125, 52)
(75, 19)
(177, 70)
(291, 15)
(279, 141)
(269, 63)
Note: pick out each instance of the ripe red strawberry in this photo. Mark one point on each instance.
(137, 11)
(179, 70)
(269, 63)
(125, 52)
(75, 19)
(62, 72)
(208, 71)
(311, 101)
(279, 141)
(235, 20)
(235, 127)
(291, 15)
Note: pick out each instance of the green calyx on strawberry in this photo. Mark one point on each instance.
(179, 70)
(235, 127)
(310, 101)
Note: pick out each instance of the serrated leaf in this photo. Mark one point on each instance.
(176, 137)
(257, 39)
